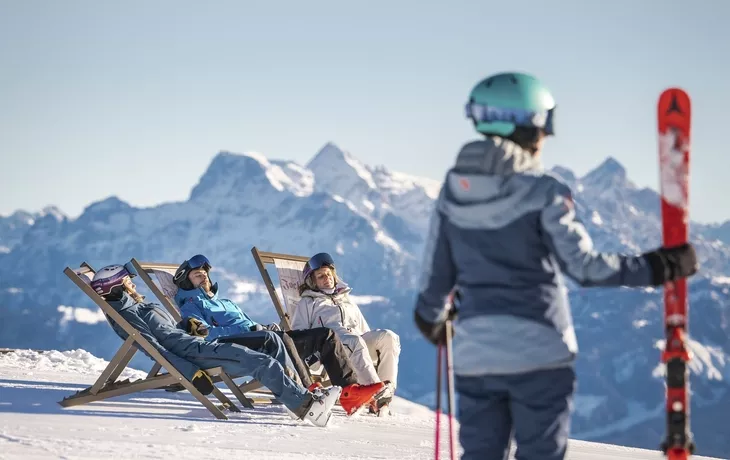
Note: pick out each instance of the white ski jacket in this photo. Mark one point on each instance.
(335, 311)
(373, 353)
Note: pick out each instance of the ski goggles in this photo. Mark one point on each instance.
(482, 113)
(131, 271)
(318, 261)
(193, 263)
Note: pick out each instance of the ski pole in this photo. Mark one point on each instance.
(438, 400)
(450, 389)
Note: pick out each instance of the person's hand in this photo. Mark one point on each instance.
(274, 327)
(435, 332)
(196, 327)
(671, 264)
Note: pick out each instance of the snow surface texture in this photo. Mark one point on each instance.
(158, 424)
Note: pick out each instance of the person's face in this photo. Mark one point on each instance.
(324, 278)
(199, 278)
(131, 289)
(129, 285)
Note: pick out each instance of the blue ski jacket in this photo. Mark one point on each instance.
(504, 233)
(222, 317)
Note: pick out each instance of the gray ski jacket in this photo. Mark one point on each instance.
(503, 233)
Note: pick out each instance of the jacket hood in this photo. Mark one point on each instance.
(486, 181)
(495, 156)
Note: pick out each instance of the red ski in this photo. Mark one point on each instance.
(674, 115)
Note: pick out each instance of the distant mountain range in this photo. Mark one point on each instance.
(373, 221)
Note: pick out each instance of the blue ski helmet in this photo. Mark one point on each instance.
(316, 262)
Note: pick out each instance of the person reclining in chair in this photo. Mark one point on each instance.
(325, 301)
(190, 354)
(206, 314)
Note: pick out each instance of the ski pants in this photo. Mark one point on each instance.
(266, 364)
(374, 355)
(321, 340)
(383, 345)
(533, 408)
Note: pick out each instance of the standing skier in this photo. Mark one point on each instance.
(503, 234)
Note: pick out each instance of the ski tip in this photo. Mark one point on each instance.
(674, 108)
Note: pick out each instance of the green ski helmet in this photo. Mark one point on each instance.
(500, 103)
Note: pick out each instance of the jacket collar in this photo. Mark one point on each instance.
(341, 289)
(495, 156)
(199, 292)
(124, 303)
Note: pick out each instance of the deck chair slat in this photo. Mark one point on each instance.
(144, 275)
(85, 397)
(116, 366)
(283, 314)
(268, 257)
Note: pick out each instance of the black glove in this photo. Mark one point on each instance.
(196, 327)
(311, 360)
(670, 264)
(434, 332)
(202, 382)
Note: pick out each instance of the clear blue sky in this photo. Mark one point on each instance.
(134, 98)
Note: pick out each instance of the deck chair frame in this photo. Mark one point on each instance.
(144, 269)
(262, 259)
(106, 385)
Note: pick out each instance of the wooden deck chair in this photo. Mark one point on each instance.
(165, 290)
(107, 386)
(289, 269)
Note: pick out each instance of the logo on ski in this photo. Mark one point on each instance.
(674, 105)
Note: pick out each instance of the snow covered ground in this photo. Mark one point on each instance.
(159, 424)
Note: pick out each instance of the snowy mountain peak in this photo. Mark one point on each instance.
(401, 201)
(608, 173)
(52, 211)
(564, 173)
(332, 164)
(232, 175)
(106, 206)
(19, 216)
(328, 153)
(12, 229)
